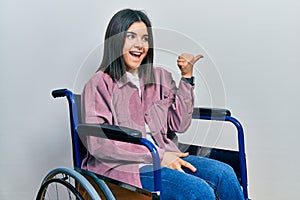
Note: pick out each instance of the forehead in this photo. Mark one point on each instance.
(139, 27)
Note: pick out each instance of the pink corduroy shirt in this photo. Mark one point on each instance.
(165, 108)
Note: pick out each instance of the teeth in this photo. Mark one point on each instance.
(136, 53)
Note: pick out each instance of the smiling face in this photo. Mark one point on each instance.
(135, 47)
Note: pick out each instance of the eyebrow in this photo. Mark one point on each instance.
(130, 32)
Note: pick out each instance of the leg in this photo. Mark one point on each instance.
(218, 175)
(177, 185)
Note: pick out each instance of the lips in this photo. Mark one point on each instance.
(134, 57)
(135, 54)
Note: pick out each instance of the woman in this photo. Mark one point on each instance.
(128, 91)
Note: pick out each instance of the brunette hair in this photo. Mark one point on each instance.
(112, 61)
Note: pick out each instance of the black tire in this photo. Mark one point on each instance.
(65, 183)
(70, 189)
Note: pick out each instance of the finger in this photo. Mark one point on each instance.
(178, 167)
(181, 60)
(183, 155)
(188, 165)
(185, 56)
(181, 64)
(181, 170)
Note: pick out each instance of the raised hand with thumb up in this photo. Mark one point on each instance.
(186, 63)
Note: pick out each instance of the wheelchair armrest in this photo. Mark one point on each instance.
(124, 134)
(210, 112)
(111, 132)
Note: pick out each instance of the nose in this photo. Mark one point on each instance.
(138, 43)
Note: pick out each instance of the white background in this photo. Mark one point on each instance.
(254, 46)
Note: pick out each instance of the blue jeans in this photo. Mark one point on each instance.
(212, 180)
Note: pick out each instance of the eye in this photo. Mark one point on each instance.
(146, 38)
(130, 36)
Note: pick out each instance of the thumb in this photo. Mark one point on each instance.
(197, 57)
(183, 155)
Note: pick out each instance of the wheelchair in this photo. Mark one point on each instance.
(64, 183)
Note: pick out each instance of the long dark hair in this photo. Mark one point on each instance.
(112, 61)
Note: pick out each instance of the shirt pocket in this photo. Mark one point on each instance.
(159, 114)
(123, 119)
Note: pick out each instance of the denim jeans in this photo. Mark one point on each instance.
(212, 180)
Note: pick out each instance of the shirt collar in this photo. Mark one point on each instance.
(125, 80)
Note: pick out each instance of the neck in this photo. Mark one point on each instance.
(134, 72)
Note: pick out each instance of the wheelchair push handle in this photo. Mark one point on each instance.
(200, 113)
(60, 93)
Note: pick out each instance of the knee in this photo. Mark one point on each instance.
(228, 170)
(228, 174)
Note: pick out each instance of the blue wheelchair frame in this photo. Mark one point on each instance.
(123, 134)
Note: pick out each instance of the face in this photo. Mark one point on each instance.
(135, 46)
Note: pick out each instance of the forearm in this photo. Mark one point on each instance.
(180, 112)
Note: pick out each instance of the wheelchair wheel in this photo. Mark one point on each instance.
(64, 183)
